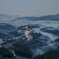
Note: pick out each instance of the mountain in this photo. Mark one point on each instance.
(5, 27)
(54, 54)
(3, 35)
(48, 17)
(40, 34)
(4, 16)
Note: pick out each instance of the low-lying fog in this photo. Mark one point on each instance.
(47, 37)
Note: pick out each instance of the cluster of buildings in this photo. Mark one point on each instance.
(1, 41)
(4, 40)
(8, 39)
(24, 36)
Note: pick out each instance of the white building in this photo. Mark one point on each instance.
(16, 38)
(1, 41)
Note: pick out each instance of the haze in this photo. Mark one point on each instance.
(29, 7)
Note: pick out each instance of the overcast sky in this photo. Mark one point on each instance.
(29, 7)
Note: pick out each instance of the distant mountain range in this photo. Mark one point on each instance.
(47, 17)
(5, 16)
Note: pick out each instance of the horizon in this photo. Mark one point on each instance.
(29, 16)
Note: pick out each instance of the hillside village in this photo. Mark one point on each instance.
(10, 41)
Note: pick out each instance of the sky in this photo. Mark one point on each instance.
(29, 7)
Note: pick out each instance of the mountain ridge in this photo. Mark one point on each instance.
(46, 17)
